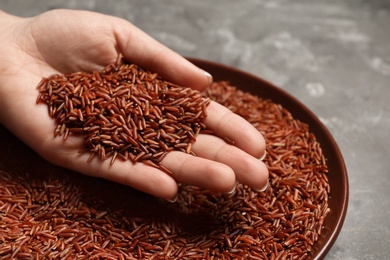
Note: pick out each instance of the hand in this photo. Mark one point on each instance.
(62, 41)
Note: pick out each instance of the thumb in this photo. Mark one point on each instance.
(141, 49)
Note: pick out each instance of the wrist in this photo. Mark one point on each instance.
(8, 54)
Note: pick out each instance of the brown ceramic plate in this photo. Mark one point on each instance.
(338, 178)
(16, 157)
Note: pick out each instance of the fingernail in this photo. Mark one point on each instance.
(233, 190)
(264, 188)
(209, 77)
(174, 199)
(263, 156)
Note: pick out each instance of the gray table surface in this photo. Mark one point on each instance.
(334, 56)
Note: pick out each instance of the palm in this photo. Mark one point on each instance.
(67, 41)
(34, 57)
(68, 46)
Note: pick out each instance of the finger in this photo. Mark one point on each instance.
(139, 176)
(248, 169)
(200, 172)
(141, 49)
(225, 123)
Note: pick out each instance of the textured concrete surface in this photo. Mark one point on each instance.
(333, 55)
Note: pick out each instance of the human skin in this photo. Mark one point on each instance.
(65, 41)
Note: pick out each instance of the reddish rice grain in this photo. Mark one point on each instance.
(120, 110)
(52, 217)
